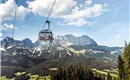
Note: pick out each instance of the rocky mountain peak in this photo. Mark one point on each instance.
(27, 39)
(27, 42)
(8, 39)
(81, 40)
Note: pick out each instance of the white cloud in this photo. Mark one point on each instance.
(81, 6)
(79, 17)
(105, 4)
(117, 36)
(68, 10)
(1, 34)
(77, 22)
(42, 7)
(91, 23)
(6, 27)
(7, 11)
(88, 2)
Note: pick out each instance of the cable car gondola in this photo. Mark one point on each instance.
(46, 34)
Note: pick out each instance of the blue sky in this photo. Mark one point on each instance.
(105, 21)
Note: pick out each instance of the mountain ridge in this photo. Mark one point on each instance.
(81, 40)
(15, 51)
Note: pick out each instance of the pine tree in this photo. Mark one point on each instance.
(126, 58)
(90, 75)
(109, 77)
(75, 73)
(121, 68)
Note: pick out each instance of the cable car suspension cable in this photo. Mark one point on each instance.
(15, 10)
(47, 21)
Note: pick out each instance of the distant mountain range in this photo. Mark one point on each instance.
(27, 43)
(81, 40)
(68, 47)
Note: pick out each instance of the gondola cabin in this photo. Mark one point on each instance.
(45, 35)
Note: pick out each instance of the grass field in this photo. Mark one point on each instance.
(113, 73)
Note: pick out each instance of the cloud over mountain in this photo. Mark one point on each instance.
(70, 11)
(7, 11)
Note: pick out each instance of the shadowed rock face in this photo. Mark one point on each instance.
(10, 42)
(81, 40)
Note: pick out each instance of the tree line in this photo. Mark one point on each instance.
(124, 63)
(78, 73)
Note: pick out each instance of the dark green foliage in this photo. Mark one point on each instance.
(124, 64)
(99, 76)
(9, 71)
(20, 60)
(22, 78)
(121, 68)
(126, 58)
(74, 73)
(109, 77)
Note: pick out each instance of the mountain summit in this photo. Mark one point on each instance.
(81, 40)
